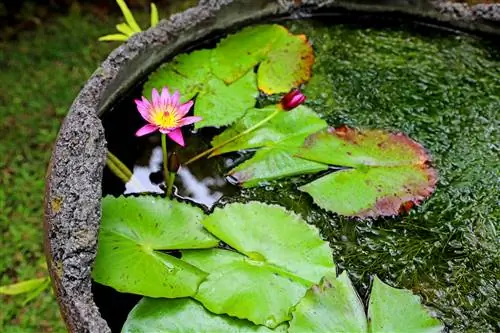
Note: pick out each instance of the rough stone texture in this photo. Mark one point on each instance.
(73, 193)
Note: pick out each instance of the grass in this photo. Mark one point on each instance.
(41, 73)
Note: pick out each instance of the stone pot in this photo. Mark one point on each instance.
(73, 192)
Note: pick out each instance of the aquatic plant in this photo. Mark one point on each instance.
(167, 115)
(227, 261)
(130, 28)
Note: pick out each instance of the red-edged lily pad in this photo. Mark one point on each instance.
(387, 172)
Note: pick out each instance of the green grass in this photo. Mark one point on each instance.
(41, 73)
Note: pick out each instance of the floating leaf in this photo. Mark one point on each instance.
(332, 306)
(219, 104)
(182, 316)
(278, 140)
(390, 171)
(398, 310)
(132, 231)
(249, 46)
(285, 59)
(288, 65)
(240, 286)
(271, 234)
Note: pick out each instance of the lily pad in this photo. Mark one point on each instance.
(278, 140)
(398, 310)
(182, 316)
(388, 171)
(245, 288)
(271, 234)
(285, 59)
(132, 232)
(217, 103)
(332, 306)
(288, 65)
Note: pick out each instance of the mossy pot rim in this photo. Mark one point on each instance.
(74, 175)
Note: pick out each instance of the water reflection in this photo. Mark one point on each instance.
(202, 182)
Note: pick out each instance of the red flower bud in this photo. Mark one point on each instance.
(293, 99)
(173, 163)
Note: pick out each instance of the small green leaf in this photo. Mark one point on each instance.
(398, 310)
(332, 306)
(271, 234)
(249, 46)
(287, 65)
(186, 73)
(36, 292)
(182, 316)
(279, 140)
(154, 15)
(391, 172)
(113, 38)
(285, 59)
(220, 105)
(23, 286)
(272, 163)
(217, 103)
(129, 18)
(125, 29)
(132, 231)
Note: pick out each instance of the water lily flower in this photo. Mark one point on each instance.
(166, 114)
(293, 99)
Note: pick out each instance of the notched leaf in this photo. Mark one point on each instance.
(388, 173)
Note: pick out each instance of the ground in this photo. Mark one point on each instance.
(41, 72)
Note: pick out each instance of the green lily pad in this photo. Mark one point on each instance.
(285, 59)
(270, 164)
(217, 103)
(278, 139)
(398, 310)
(332, 306)
(288, 65)
(132, 231)
(240, 287)
(250, 46)
(389, 172)
(183, 315)
(273, 235)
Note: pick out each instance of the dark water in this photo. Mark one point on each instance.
(443, 90)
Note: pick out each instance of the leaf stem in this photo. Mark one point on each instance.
(120, 170)
(165, 157)
(171, 179)
(248, 130)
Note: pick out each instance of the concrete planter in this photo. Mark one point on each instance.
(73, 193)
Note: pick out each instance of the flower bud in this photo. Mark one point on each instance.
(173, 163)
(293, 99)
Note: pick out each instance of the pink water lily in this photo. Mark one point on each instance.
(166, 114)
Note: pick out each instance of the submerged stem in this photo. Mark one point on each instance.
(170, 185)
(248, 130)
(120, 170)
(165, 156)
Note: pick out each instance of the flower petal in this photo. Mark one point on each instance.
(155, 98)
(184, 108)
(146, 129)
(189, 120)
(176, 135)
(174, 99)
(165, 97)
(144, 109)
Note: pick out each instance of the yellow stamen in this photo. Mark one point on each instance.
(165, 119)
